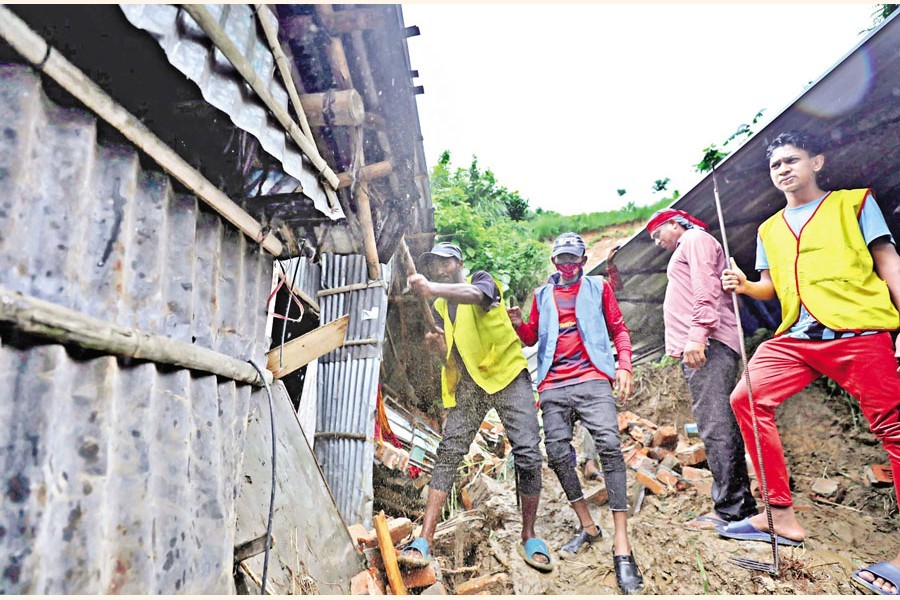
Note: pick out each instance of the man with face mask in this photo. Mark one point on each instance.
(701, 330)
(484, 368)
(572, 320)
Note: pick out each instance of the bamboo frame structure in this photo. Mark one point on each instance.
(37, 51)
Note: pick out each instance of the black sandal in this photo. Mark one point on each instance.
(628, 576)
(578, 541)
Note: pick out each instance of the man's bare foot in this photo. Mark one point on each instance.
(886, 586)
(592, 471)
(785, 522)
(709, 521)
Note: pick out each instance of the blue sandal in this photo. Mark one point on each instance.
(534, 546)
(420, 545)
(883, 570)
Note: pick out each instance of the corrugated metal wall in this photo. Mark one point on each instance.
(117, 475)
(348, 384)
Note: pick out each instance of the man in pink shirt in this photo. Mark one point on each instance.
(701, 329)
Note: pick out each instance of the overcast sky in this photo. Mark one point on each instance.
(568, 103)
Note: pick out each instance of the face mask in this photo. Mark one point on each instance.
(568, 271)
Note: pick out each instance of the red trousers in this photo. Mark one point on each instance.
(864, 365)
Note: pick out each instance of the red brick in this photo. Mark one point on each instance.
(693, 473)
(879, 475)
(598, 496)
(466, 498)
(419, 578)
(400, 528)
(693, 455)
(667, 476)
(364, 584)
(650, 482)
(625, 417)
(703, 486)
(666, 437)
(637, 433)
(357, 533)
(660, 454)
(479, 584)
(373, 558)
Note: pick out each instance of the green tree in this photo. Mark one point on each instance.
(661, 184)
(487, 221)
(621, 191)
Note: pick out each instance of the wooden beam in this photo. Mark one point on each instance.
(409, 265)
(48, 320)
(36, 50)
(368, 230)
(286, 359)
(389, 555)
(251, 548)
(342, 108)
(345, 21)
(367, 173)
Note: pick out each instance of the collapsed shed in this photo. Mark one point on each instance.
(854, 107)
(187, 190)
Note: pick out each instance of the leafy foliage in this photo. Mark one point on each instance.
(661, 184)
(712, 155)
(487, 221)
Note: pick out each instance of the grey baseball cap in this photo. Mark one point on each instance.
(444, 250)
(568, 243)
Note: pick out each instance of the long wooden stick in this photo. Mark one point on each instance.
(211, 27)
(410, 264)
(36, 50)
(49, 320)
(389, 555)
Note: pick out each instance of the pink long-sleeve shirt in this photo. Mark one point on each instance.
(696, 308)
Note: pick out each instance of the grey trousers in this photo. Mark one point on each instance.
(592, 402)
(515, 406)
(711, 387)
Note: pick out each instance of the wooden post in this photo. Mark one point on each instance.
(367, 173)
(389, 555)
(335, 107)
(368, 230)
(345, 21)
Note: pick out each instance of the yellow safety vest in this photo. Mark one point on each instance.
(490, 349)
(828, 268)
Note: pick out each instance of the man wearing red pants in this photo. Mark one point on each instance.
(831, 260)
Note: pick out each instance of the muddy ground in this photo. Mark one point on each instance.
(823, 437)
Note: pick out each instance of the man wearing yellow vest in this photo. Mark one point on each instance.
(484, 368)
(831, 260)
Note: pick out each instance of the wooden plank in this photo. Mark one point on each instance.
(306, 348)
(389, 555)
(345, 21)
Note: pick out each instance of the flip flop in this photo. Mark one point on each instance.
(743, 530)
(419, 544)
(716, 521)
(884, 570)
(534, 546)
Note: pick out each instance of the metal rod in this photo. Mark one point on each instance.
(759, 457)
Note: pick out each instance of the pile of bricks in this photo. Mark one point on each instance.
(663, 461)
(373, 580)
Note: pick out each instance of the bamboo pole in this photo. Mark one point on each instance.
(38, 52)
(368, 230)
(342, 108)
(211, 28)
(64, 325)
(389, 555)
(284, 69)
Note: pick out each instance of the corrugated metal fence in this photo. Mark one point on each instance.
(348, 384)
(117, 475)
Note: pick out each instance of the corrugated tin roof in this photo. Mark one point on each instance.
(854, 106)
(191, 52)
